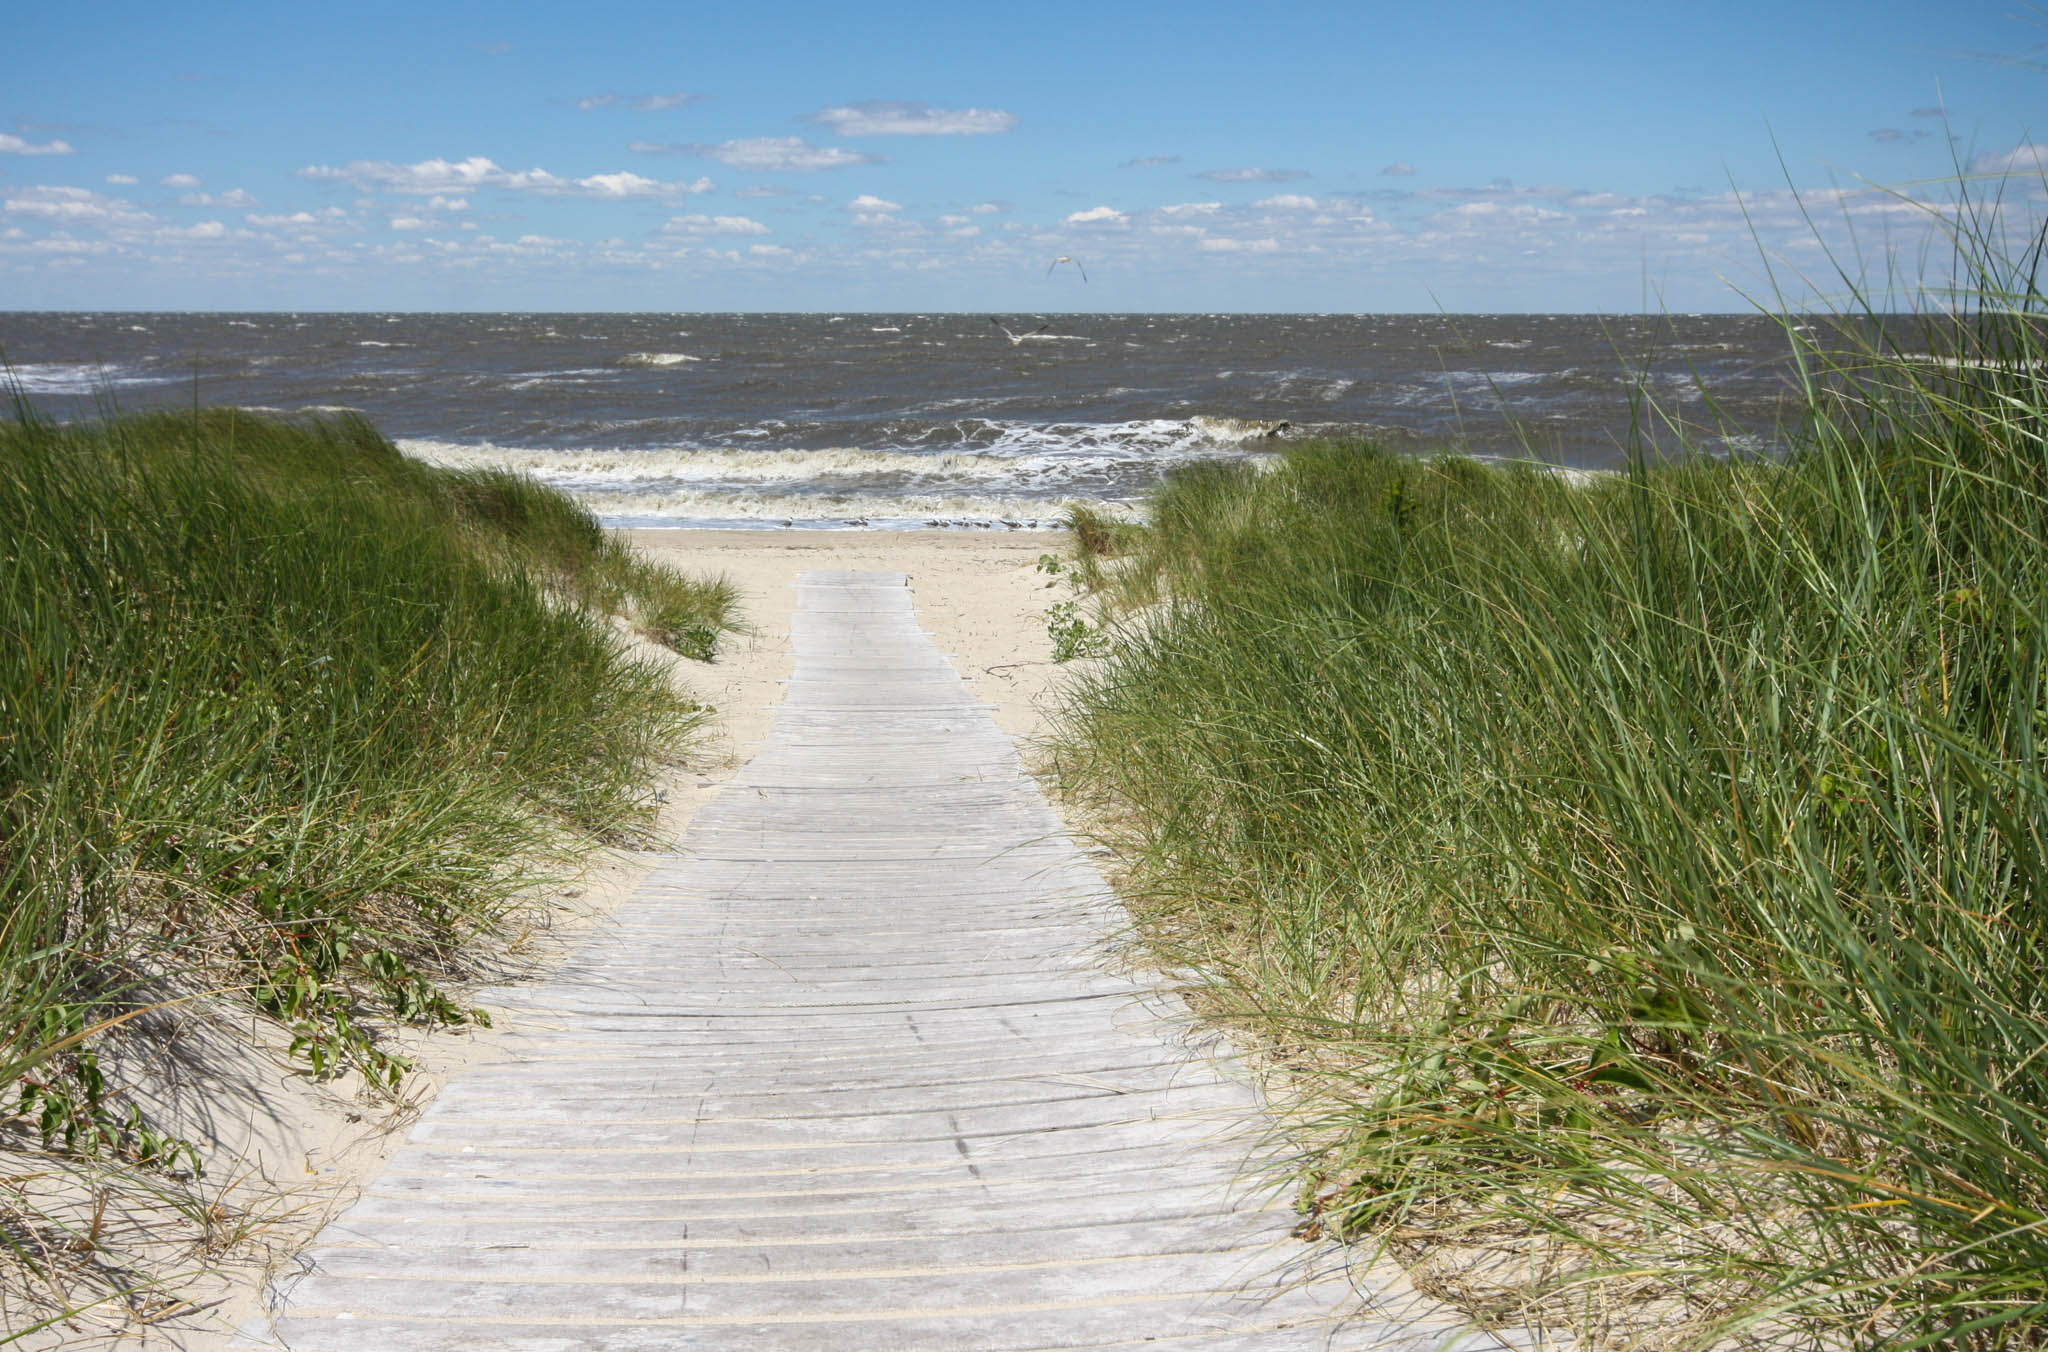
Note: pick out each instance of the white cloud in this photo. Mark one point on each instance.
(14, 145)
(952, 220)
(407, 223)
(1221, 245)
(1145, 161)
(1097, 216)
(892, 117)
(870, 202)
(179, 181)
(597, 101)
(125, 180)
(1253, 175)
(654, 103)
(435, 176)
(715, 225)
(295, 218)
(1398, 169)
(235, 198)
(1179, 209)
(768, 251)
(203, 230)
(1289, 201)
(785, 154)
(2025, 158)
(439, 203)
(626, 184)
(70, 204)
(438, 177)
(988, 208)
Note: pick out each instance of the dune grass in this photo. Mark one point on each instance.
(1641, 879)
(289, 717)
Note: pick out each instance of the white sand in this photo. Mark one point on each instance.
(285, 1154)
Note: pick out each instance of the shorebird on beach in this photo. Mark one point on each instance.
(1017, 338)
(1063, 258)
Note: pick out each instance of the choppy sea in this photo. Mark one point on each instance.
(925, 420)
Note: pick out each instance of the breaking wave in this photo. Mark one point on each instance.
(657, 359)
(57, 377)
(941, 510)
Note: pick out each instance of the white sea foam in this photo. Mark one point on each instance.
(625, 470)
(1023, 454)
(372, 342)
(938, 509)
(1235, 431)
(657, 359)
(61, 377)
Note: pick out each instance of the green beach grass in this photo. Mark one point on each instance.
(290, 719)
(1637, 880)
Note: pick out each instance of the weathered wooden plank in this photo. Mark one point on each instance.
(850, 1071)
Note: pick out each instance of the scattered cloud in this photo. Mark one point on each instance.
(179, 181)
(1253, 175)
(768, 154)
(893, 117)
(1145, 161)
(1289, 201)
(768, 251)
(715, 225)
(1894, 136)
(640, 103)
(1219, 244)
(1097, 216)
(869, 209)
(125, 180)
(14, 145)
(235, 198)
(1179, 209)
(988, 208)
(1935, 110)
(407, 223)
(453, 177)
(2025, 158)
(70, 205)
(626, 184)
(1398, 169)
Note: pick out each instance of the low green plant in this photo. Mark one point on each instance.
(290, 717)
(1071, 634)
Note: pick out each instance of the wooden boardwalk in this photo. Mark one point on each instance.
(847, 1073)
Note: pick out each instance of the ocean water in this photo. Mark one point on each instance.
(925, 420)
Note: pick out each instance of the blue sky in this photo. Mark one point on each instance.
(1192, 156)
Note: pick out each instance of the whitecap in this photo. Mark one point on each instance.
(657, 359)
(59, 377)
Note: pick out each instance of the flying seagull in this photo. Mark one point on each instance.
(1016, 338)
(1065, 259)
